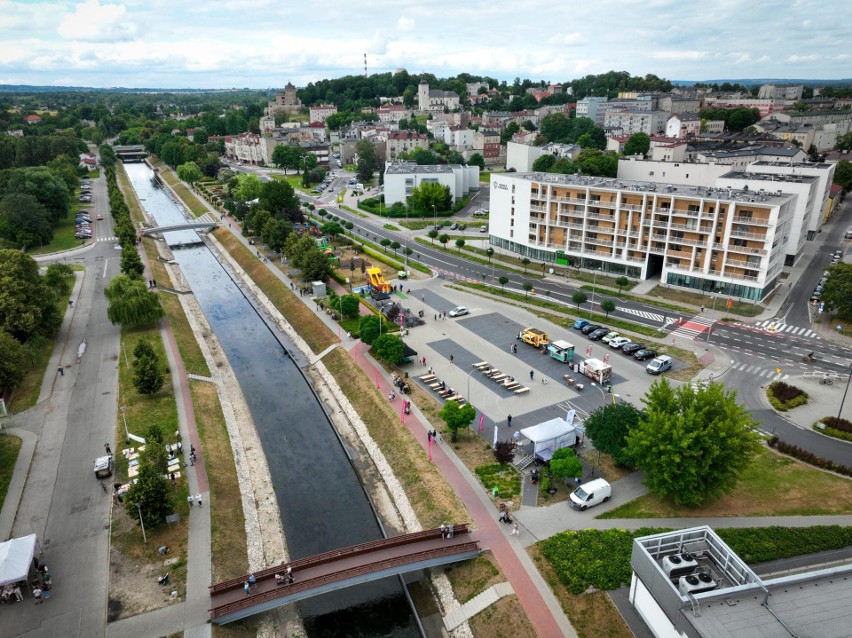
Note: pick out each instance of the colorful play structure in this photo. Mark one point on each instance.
(377, 280)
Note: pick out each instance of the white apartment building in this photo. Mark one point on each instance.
(630, 121)
(459, 138)
(439, 129)
(728, 241)
(593, 108)
(392, 113)
(405, 142)
(683, 125)
(791, 92)
(248, 148)
(403, 177)
(320, 112)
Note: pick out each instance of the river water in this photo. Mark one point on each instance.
(322, 502)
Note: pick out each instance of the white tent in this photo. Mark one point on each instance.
(550, 436)
(16, 555)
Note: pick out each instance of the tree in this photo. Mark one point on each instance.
(608, 427)
(556, 127)
(565, 464)
(432, 235)
(151, 490)
(369, 328)
(843, 175)
(385, 242)
(366, 160)
(477, 160)
(489, 252)
(316, 266)
(503, 281)
(389, 348)
(286, 156)
(13, 362)
(147, 373)
(544, 163)
(526, 262)
(189, 172)
(692, 444)
(395, 246)
(444, 238)
(24, 221)
(457, 417)
(621, 282)
(429, 197)
(27, 304)
(131, 303)
(332, 229)
(131, 263)
(275, 233)
(350, 306)
(248, 187)
(607, 305)
(460, 243)
(527, 287)
(837, 291)
(637, 144)
(844, 143)
(279, 198)
(579, 298)
(504, 451)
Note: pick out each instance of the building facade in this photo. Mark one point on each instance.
(592, 108)
(434, 100)
(683, 125)
(320, 112)
(629, 121)
(710, 239)
(405, 142)
(403, 177)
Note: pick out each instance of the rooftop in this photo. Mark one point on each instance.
(790, 151)
(402, 168)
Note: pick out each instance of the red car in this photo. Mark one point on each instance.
(100, 218)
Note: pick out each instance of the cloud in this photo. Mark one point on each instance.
(405, 25)
(566, 39)
(811, 57)
(679, 55)
(93, 22)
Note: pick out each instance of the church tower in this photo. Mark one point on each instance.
(423, 95)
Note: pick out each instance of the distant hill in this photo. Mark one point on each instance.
(753, 81)
(29, 88)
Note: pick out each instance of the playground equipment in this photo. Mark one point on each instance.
(377, 280)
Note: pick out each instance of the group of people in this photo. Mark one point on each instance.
(447, 531)
(280, 579)
(11, 593)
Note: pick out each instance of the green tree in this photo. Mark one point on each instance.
(131, 303)
(837, 292)
(316, 266)
(692, 444)
(389, 348)
(608, 427)
(366, 164)
(369, 327)
(287, 157)
(460, 243)
(429, 197)
(544, 163)
(527, 287)
(477, 160)
(844, 143)
(637, 144)
(147, 374)
(280, 199)
(13, 362)
(144, 349)
(350, 306)
(556, 127)
(565, 464)
(579, 298)
(24, 221)
(621, 282)
(385, 242)
(503, 281)
(275, 233)
(526, 262)
(59, 278)
(27, 305)
(457, 417)
(843, 175)
(151, 490)
(248, 187)
(332, 229)
(189, 172)
(395, 246)
(607, 305)
(433, 234)
(489, 252)
(444, 238)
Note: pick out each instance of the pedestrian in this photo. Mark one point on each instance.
(450, 530)
(107, 448)
(246, 588)
(37, 594)
(198, 499)
(509, 421)
(423, 298)
(61, 371)
(290, 578)
(18, 595)
(451, 359)
(189, 500)
(515, 531)
(702, 308)
(443, 529)
(192, 459)
(436, 317)
(180, 447)
(252, 580)
(532, 374)
(429, 435)
(516, 437)
(192, 449)
(70, 303)
(172, 476)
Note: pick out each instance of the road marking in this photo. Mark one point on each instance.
(653, 316)
(772, 326)
(693, 328)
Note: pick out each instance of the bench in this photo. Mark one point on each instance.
(481, 364)
(435, 385)
(522, 390)
(499, 378)
(493, 373)
(428, 377)
(514, 385)
(456, 397)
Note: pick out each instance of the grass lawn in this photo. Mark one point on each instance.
(294, 180)
(774, 485)
(9, 448)
(63, 237)
(742, 308)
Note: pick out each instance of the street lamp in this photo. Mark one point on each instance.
(124, 418)
(594, 288)
(603, 394)
(139, 508)
(435, 210)
(846, 391)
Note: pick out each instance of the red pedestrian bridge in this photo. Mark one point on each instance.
(339, 569)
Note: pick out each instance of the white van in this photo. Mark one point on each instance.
(104, 466)
(591, 493)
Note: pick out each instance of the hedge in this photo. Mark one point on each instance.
(808, 457)
(783, 396)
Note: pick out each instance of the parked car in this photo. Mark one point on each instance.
(100, 218)
(580, 323)
(483, 229)
(480, 213)
(589, 327)
(632, 348)
(659, 364)
(618, 342)
(597, 335)
(462, 226)
(591, 493)
(644, 354)
(454, 227)
(458, 311)
(609, 337)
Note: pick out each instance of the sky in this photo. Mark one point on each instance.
(266, 43)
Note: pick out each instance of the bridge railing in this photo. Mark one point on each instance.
(335, 554)
(353, 572)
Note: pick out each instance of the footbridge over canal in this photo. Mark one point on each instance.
(339, 569)
(196, 225)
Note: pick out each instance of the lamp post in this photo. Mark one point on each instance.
(139, 508)
(124, 418)
(603, 394)
(594, 288)
(846, 391)
(435, 210)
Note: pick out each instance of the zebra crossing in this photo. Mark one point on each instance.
(653, 316)
(693, 328)
(113, 238)
(758, 371)
(778, 327)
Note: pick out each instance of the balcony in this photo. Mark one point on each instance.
(688, 213)
(686, 240)
(537, 209)
(744, 235)
(689, 229)
(754, 221)
(632, 207)
(569, 200)
(736, 263)
(729, 276)
(599, 242)
(747, 250)
(601, 203)
(603, 216)
(663, 211)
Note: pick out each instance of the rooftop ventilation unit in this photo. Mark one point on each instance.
(696, 583)
(679, 565)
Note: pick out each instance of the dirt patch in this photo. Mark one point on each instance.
(504, 619)
(473, 577)
(592, 615)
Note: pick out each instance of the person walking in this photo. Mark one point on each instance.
(18, 595)
(451, 359)
(532, 374)
(37, 595)
(198, 499)
(443, 529)
(246, 588)
(252, 580)
(515, 531)
(107, 448)
(189, 500)
(509, 421)
(61, 371)
(290, 578)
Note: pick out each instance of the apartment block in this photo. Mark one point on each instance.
(593, 108)
(403, 177)
(712, 239)
(405, 142)
(320, 112)
(629, 121)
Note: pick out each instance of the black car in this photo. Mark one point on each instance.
(599, 334)
(590, 327)
(631, 348)
(644, 353)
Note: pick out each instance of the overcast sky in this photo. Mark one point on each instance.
(266, 43)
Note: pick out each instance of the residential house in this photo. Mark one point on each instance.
(683, 125)
(400, 178)
(405, 142)
(319, 112)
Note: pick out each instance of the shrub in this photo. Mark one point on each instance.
(756, 545)
(503, 452)
(503, 477)
(837, 424)
(783, 396)
(808, 457)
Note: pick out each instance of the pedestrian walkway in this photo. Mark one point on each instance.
(759, 371)
(477, 604)
(110, 238)
(693, 328)
(778, 327)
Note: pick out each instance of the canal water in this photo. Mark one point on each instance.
(322, 502)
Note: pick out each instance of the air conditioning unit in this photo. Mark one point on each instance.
(679, 565)
(696, 583)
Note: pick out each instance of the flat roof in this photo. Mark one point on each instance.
(822, 165)
(400, 168)
(770, 177)
(722, 193)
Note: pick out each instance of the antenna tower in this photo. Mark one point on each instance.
(365, 65)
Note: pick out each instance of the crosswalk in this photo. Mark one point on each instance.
(778, 327)
(758, 371)
(693, 328)
(653, 316)
(113, 238)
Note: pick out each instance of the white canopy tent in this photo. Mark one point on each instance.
(16, 556)
(552, 435)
